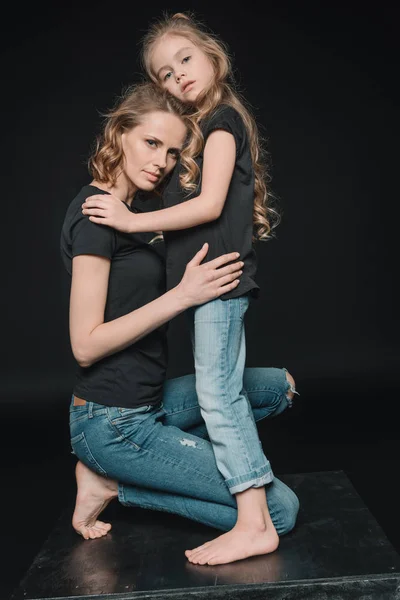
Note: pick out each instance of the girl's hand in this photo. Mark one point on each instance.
(204, 282)
(109, 210)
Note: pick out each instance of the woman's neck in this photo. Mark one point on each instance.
(121, 190)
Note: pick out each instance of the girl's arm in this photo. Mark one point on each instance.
(92, 339)
(218, 165)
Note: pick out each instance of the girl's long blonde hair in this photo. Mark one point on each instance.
(221, 91)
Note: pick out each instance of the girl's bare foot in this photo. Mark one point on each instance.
(253, 534)
(93, 495)
(235, 545)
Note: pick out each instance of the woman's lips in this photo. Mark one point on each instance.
(152, 176)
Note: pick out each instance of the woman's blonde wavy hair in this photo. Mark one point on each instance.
(222, 90)
(107, 158)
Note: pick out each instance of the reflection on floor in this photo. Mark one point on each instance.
(336, 548)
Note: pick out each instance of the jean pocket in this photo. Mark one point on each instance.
(81, 449)
(125, 412)
(134, 424)
(77, 415)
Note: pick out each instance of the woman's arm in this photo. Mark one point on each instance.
(218, 165)
(92, 339)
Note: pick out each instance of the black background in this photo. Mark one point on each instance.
(322, 80)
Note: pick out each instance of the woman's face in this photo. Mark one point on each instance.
(152, 148)
(181, 67)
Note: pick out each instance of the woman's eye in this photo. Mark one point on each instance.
(174, 153)
(152, 143)
(186, 59)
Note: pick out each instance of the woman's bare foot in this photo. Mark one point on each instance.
(93, 495)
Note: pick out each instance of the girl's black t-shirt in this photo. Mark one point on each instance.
(134, 376)
(233, 230)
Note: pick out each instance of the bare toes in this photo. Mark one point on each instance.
(201, 548)
(213, 561)
(195, 555)
(104, 528)
(100, 531)
(199, 558)
(204, 560)
(193, 558)
(94, 533)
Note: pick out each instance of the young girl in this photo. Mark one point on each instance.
(219, 196)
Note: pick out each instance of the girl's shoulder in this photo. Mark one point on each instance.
(224, 112)
(224, 117)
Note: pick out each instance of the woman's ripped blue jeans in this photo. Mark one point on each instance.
(161, 459)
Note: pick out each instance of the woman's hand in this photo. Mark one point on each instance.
(93, 339)
(109, 210)
(204, 282)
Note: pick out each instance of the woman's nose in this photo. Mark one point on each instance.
(161, 160)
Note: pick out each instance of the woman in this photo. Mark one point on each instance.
(138, 437)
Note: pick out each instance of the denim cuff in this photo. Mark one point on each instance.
(255, 479)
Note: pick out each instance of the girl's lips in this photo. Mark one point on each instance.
(188, 86)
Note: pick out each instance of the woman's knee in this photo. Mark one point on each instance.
(290, 510)
(292, 389)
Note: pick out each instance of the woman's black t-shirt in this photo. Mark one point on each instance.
(134, 376)
(233, 230)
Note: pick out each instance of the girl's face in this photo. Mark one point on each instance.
(151, 149)
(181, 67)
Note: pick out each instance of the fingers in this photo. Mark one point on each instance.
(222, 260)
(99, 220)
(227, 288)
(237, 266)
(229, 278)
(95, 201)
(216, 262)
(94, 212)
(199, 256)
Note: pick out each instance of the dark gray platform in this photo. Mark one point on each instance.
(337, 551)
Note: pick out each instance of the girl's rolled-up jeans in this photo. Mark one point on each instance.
(219, 348)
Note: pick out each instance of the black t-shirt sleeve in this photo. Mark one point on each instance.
(90, 238)
(228, 119)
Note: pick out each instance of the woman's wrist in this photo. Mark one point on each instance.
(180, 299)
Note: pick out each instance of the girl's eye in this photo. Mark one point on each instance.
(152, 143)
(186, 59)
(167, 76)
(174, 153)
